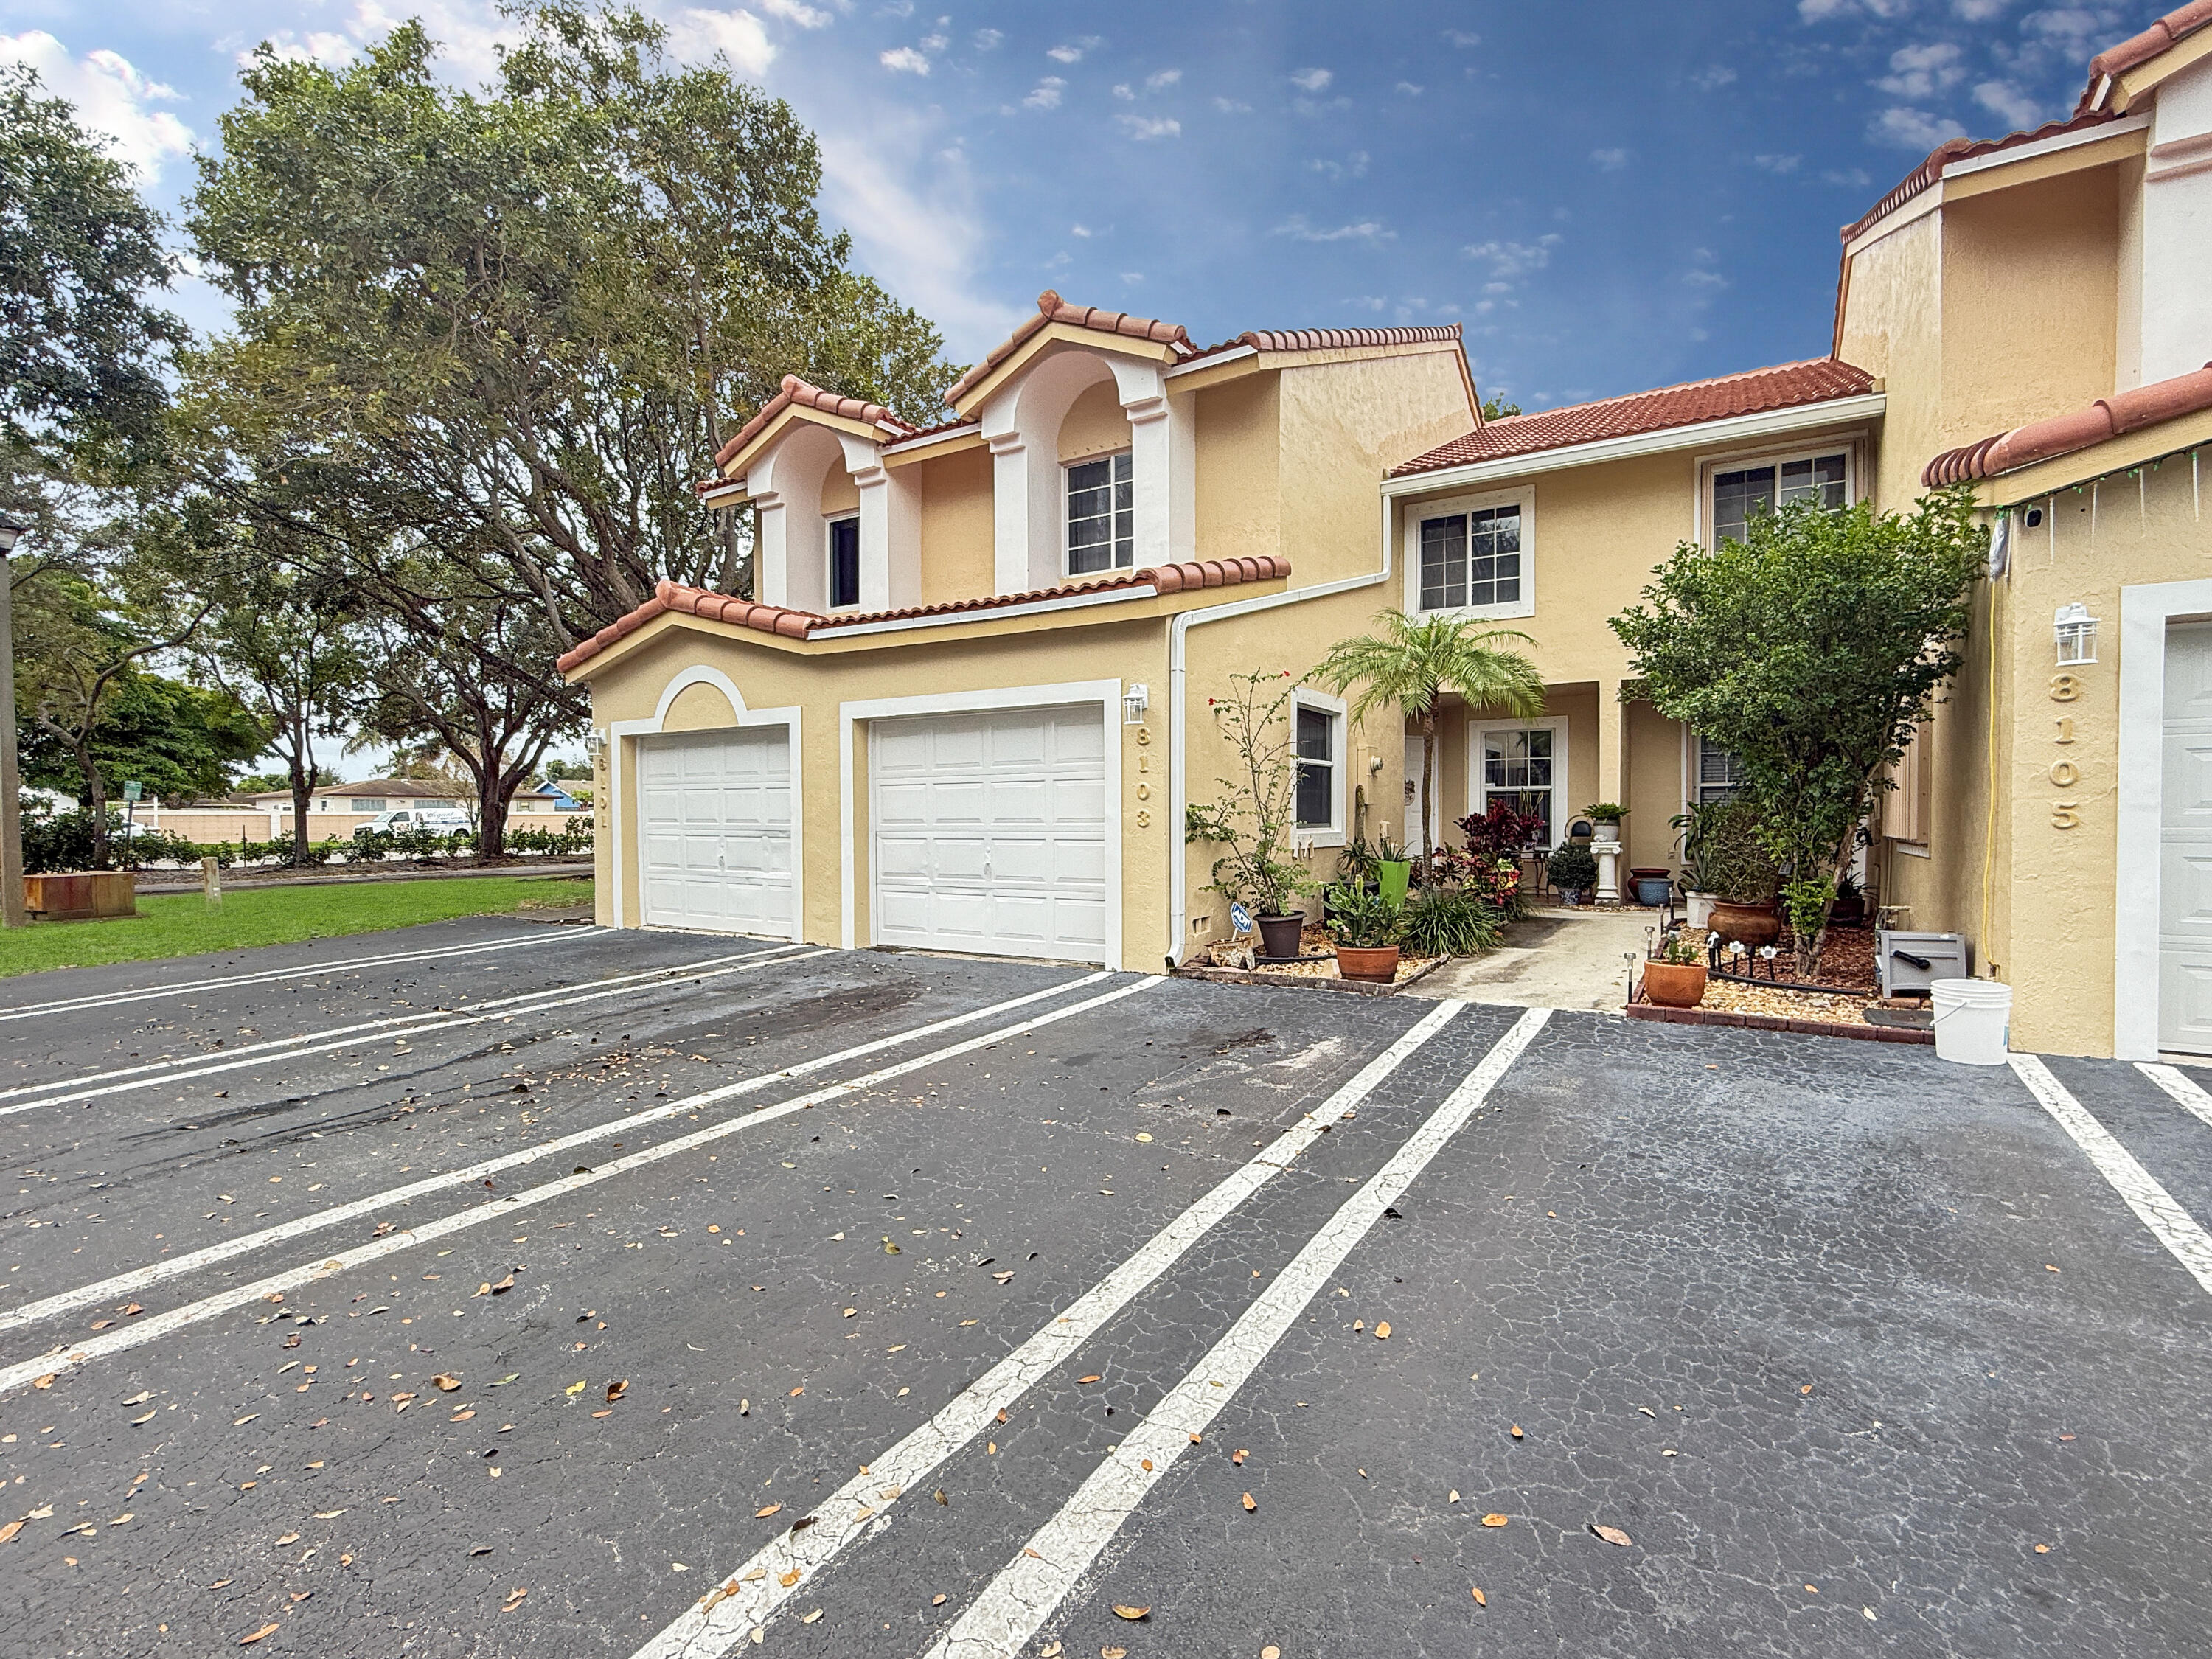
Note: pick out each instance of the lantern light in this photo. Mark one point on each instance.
(2075, 632)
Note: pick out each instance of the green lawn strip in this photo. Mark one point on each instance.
(183, 925)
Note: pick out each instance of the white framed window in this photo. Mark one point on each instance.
(1716, 774)
(1102, 520)
(1319, 740)
(1471, 555)
(1523, 763)
(1739, 487)
(364, 805)
(844, 551)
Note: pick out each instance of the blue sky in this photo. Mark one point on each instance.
(1608, 196)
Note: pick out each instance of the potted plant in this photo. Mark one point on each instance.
(1364, 926)
(1674, 977)
(1605, 819)
(1573, 872)
(1393, 869)
(1697, 867)
(1255, 817)
(1742, 874)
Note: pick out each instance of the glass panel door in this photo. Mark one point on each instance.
(1517, 769)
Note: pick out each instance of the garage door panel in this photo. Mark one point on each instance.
(716, 850)
(990, 832)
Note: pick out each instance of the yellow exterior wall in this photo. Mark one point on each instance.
(840, 494)
(955, 526)
(1239, 508)
(1094, 424)
(1893, 329)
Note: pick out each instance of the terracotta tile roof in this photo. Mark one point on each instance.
(796, 390)
(1753, 391)
(1051, 308)
(801, 624)
(1330, 339)
(2137, 50)
(2061, 434)
(1960, 149)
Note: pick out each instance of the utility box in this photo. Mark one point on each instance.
(1910, 963)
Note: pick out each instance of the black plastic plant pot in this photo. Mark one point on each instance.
(1279, 935)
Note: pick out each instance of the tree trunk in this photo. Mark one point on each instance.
(1428, 781)
(302, 789)
(96, 797)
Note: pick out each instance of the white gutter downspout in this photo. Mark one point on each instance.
(1178, 751)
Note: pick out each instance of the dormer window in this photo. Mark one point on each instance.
(844, 563)
(1101, 520)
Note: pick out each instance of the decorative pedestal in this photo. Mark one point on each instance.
(1607, 854)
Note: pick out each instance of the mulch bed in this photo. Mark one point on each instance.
(1315, 968)
(1848, 984)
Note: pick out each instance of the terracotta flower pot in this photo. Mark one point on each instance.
(1753, 924)
(1674, 984)
(1278, 935)
(1377, 965)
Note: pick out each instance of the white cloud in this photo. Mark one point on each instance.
(1125, 92)
(1848, 178)
(1509, 259)
(2074, 26)
(1141, 127)
(1353, 166)
(1609, 160)
(1368, 302)
(1133, 276)
(1980, 11)
(935, 42)
(2008, 103)
(470, 34)
(1046, 94)
(1408, 90)
(1231, 107)
(987, 40)
(316, 47)
(1367, 230)
(1704, 279)
(1313, 79)
(798, 12)
(1922, 71)
(1912, 128)
(905, 60)
(1777, 163)
(112, 98)
(1161, 79)
(1712, 77)
(738, 35)
(1071, 52)
(1462, 38)
(1081, 230)
(1818, 11)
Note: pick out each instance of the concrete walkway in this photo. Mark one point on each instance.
(1551, 959)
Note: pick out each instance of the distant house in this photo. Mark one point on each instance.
(556, 790)
(335, 809)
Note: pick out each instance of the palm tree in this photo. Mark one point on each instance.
(1410, 664)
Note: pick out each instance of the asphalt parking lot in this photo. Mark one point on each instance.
(489, 1289)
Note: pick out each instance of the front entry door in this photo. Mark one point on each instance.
(2184, 880)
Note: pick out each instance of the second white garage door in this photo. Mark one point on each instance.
(715, 853)
(989, 832)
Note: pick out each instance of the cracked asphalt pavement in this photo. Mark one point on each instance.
(490, 1288)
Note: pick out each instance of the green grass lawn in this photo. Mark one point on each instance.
(183, 925)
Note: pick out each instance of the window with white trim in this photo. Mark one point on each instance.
(1720, 774)
(844, 563)
(1471, 559)
(1761, 486)
(1318, 743)
(1521, 766)
(1102, 520)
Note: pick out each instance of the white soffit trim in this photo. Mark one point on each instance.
(966, 430)
(2050, 146)
(987, 612)
(1210, 361)
(725, 495)
(1774, 423)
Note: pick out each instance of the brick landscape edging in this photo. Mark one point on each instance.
(1833, 1028)
(1357, 987)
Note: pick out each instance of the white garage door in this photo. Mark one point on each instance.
(989, 832)
(716, 841)
(2185, 876)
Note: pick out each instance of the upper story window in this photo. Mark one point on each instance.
(1738, 492)
(1470, 554)
(844, 563)
(1101, 520)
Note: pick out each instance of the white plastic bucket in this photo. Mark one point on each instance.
(1973, 1020)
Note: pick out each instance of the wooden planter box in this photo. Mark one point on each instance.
(81, 895)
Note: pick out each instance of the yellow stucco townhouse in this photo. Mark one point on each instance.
(970, 698)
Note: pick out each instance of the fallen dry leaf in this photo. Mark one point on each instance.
(514, 1597)
(1480, 1600)
(289, 1538)
(1612, 1535)
(1494, 1519)
(1113, 1653)
(615, 1390)
(796, 1392)
(1093, 1377)
(1358, 1325)
(787, 1579)
(1249, 1506)
(1382, 1331)
(1238, 1455)
(1516, 1431)
(266, 1630)
(8, 1532)
(1454, 1498)
(444, 1383)
(140, 1398)
(938, 1602)
(939, 1495)
(809, 1618)
(1132, 1612)
(577, 1387)
(763, 1514)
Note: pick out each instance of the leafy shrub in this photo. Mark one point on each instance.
(1501, 833)
(1573, 868)
(1446, 921)
(1360, 917)
(1731, 855)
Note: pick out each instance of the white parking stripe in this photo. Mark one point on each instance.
(141, 1280)
(141, 1331)
(2170, 1225)
(298, 970)
(1017, 1603)
(721, 1621)
(2181, 1088)
(397, 1029)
